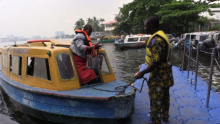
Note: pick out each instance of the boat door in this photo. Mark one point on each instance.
(65, 69)
(106, 71)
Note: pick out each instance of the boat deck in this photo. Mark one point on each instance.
(187, 106)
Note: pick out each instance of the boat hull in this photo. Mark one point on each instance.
(49, 117)
(109, 108)
(107, 41)
(123, 44)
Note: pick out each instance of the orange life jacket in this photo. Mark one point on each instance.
(87, 37)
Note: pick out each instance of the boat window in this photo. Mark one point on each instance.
(202, 38)
(132, 39)
(65, 66)
(105, 66)
(15, 64)
(193, 37)
(144, 38)
(4, 61)
(187, 37)
(38, 67)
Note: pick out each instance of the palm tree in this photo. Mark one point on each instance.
(95, 24)
(89, 21)
(102, 25)
(101, 20)
(79, 24)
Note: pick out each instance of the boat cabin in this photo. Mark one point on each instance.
(47, 64)
(199, 36)
(136, 38)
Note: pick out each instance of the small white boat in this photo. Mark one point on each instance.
(132, 39)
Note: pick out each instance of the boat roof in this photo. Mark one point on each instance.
(145, 35)
(202, 33)
(55, 41)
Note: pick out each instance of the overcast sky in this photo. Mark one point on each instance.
(44, 17)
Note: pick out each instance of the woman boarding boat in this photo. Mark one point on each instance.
(41, 75)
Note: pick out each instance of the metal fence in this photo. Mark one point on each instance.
(188, 54)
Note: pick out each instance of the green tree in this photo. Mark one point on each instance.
(174, 14)
(181, 13)
(216, 27)
(131, 16)
(89, 21)
(79, 24)
(102, 25)
(101, 20)
(96, 23)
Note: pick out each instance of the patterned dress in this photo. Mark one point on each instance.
(160, 80)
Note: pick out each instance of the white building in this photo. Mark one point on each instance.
(215, 17)
(109, 26)
(216, 14)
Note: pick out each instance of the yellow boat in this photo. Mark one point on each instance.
(41, 75)
(107, 39)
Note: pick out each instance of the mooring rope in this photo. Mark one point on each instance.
(124, 87)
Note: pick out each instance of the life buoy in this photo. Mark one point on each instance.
(87, 37)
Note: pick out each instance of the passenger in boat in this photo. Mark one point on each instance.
(81, 46)
(157, 60)
(31, 67)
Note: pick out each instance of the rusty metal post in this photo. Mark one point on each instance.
(197, 63)
(210, 78)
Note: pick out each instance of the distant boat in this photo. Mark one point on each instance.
(132, 39)
(107, 39)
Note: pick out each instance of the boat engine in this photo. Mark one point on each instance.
(179, 42)
(172, 40)
(208, 43)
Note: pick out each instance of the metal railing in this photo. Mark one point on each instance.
(189, 55)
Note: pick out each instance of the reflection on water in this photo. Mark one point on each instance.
(124, 64)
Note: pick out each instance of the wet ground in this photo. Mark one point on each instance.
(124, 64)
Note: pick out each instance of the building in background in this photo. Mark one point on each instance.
(3, 39)
(109, 25)
(59, 34)
(11, 38)
(36, 37)
(215, 18)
